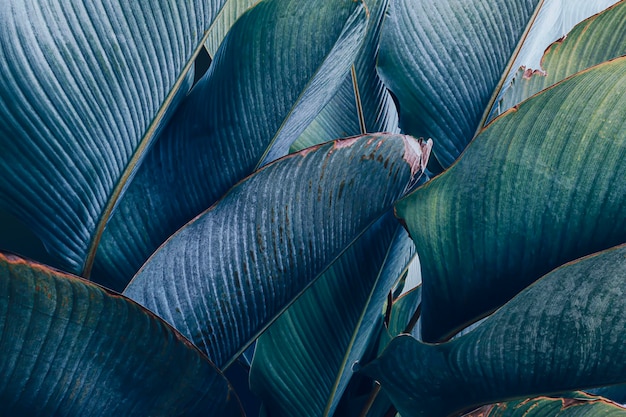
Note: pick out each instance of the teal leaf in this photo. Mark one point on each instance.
(226, 18)
(377, 112)
(72, 348)
(443, 60)
(540, 186)
(256, 98)
(564, 332)
(83, 91)
(225, 276)
(328, 328)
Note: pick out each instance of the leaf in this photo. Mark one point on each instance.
(553, 21)
(562, 333)
(540, 186)
(403, 312)
(257, 95)
(82, 93)
(597, 39)
(72, 348)
(551, 407)
(341, 117)
(328, 328)
(443, 60)
(231, 11)
(225, 276)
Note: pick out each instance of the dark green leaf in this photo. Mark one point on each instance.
(340, 117)
(540, 186)
(565, 332)
(225, 276)
(232, 10)
(71, 348)
(83, 90)
(443, 61)
(278, 66)
(597, 39)
(328, 328)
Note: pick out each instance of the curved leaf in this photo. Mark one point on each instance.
(82, 93)
(552, 407)
(564, 332)
(443, 61)
(341, 116)
(226, 275)
(540, 186)
(71, 348)
(328, 328)
(597, 39)
(231, 11)
(555, 19)
(258, 94)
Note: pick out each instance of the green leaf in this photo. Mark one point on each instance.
(341, 117)
(443, 60)
(82, 93)
(552, 407)
(226, 275)
(597, 39)
(328, 328)
(564, 332)
(403, 312)
(254, 101)
(540, 186)
(231, 11)
(72, 348)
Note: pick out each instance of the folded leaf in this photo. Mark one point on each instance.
(82, 93)
(226, 275)
(232, 10)
(279, 65)
(595, 40)
(443, 61)
(328, 328)
(564, 332)
(540, 186)
(72, 348)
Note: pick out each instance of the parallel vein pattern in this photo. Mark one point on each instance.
(222, 278)
(81, 84)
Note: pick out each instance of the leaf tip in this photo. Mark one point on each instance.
(417, 153)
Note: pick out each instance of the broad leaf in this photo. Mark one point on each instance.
(564, 332)
(376, 111)
(552, 407)
(279, 65)
(226, 275)
(597, 39)
(328, 328)
(443, 60)
(540, 186)
(72, 348)
(232, 10)
(82, 93)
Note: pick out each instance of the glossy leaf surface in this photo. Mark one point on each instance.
(279, 65)
(71, 348)
(597, 39)
(223, 277)
(564, 332)
(540, 186)
(328, 328)
(444, 59)
(83, 90)
(342, 117)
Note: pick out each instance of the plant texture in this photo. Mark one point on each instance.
(337, 207)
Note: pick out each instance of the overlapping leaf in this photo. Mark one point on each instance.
(443, 60)
(304, 361)
(564, 332)
(376, 110)
(279, 65)
(540, 186)
(223, 277)
(71, 348)
(83, 90)
(227, 17)
(597, 39)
